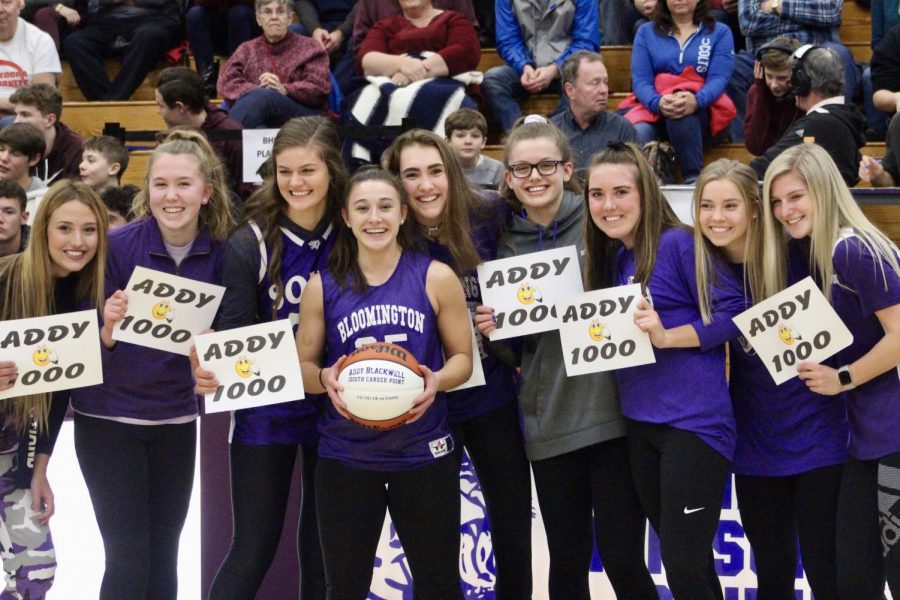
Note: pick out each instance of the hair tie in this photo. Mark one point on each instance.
(617, 145)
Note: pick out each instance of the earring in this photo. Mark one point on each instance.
(402, 221)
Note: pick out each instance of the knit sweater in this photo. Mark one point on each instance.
(300, 63)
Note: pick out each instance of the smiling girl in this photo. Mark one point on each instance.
(287, 235)
(410, 468)
(680, 422)
(61, 270)
(135, 434)
(791, 442)
(463, 229)
(858, 268)
(574, 429)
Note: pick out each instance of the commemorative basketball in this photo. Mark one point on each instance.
(380, 381)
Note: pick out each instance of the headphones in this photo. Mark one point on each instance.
(789, 50)
(801, 83)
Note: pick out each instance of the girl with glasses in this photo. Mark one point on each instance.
(574, 429)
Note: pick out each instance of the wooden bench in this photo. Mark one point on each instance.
(88, 118)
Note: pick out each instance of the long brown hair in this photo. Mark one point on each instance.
(462, 200)
(662, 17)
(215, 214)
(29, 282)
(267, 204)
(343, 262)
(656, 217)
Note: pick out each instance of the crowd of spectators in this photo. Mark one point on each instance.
(702, 71)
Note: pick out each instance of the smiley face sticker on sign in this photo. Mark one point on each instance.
(796, 325)
(598, 332)
(523, 290)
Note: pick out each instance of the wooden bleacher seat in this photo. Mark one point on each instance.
(88, 118)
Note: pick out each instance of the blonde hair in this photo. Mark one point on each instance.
(29, 281)
(744, 179)
(835, 209)
(215, 214)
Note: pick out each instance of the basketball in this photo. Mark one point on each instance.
(380, 381)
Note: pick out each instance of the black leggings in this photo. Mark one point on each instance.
(774, 512)
(260, 486)
(424, 506)
(593, 481)
(680, 480)
(495, 446)
(140, 479)
(868, 531)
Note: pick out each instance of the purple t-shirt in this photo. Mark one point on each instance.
(686, 387)
(863, 285)
(782, 429)
(406, 315)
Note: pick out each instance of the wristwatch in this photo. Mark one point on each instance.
(774, 4)
(845, 379)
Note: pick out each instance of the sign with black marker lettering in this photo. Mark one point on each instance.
(165, 311)
(598, 333)
(257, 146)
(796, 325)
(523, 290)
(59, 352)
(256, 365)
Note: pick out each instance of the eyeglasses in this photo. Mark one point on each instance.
(545, 167)
(269, 13)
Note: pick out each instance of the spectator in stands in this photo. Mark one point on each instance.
(103, 163)
(21, 148)
(41, 105)
(57, 19)
(885, 67)
(277, 76)
(118, 201)
(808, 21)
(817, 80)
(680, 65)
(885, 16)
(369, 12)
(770, 104)
(466, 133)
(13, 218)
(534, 45)
(436, 49)
(181, 101)
(149, 29)
(27, 55)
(330, 22)
(586, 122)
(218, 27)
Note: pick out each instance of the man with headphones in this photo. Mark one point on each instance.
(770, 101)
(817, 82)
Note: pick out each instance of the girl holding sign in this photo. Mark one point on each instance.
(463, 229)
(574, 429)
(410, 468)
(135, 435)
(61, 270)
(791, 442)
(678, 409)
(859, 270)
(287, 235)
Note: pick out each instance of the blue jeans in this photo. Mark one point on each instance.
(502, 89)
(267, 108)
(614, 30)
(875, 119)
(687, 135)
(208, 34)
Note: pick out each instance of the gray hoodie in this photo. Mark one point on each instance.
(561, 413)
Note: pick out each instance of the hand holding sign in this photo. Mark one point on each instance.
(523, 291)
(795, 326)
(162, 311)
(598, 331)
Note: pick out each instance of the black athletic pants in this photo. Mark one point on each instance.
(680, 480)
(868, 553)
(495, 446)
(775, 511)
(424, 505)
(139, 478)
(589, 495)
(260, 486)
